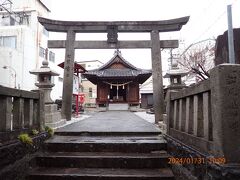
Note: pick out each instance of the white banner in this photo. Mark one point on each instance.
(75, 85)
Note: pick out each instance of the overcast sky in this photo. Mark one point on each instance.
(208, 18)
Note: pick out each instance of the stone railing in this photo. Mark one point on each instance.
(20, 111)
(206, 117)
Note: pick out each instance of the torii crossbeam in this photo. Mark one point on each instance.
(112, 28)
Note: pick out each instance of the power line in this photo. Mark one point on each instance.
(211, 25)
(203, 12)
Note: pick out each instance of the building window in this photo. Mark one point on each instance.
(8, 41)
(42, 52)
(90, 93)
(51, 56)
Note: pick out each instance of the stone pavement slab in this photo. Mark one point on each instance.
(111, 121)
(146, 116)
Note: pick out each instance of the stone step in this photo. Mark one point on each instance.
(99, 133)
(100, 174)
(118, 107)
(137, 144)
(104, 160)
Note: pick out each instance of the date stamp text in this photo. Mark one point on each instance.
(196, 160)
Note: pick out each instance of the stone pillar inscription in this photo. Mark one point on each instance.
(158, 97)
(68, 76)
(225, 89)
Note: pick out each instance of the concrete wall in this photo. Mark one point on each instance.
(91, 64)
(20, 59)
(25, 57)
(86, 85)
(30, 5)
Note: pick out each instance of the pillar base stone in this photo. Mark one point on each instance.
(53, 117)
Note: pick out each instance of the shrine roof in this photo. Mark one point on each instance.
(118, 67)
(118, 72)
(117, 58)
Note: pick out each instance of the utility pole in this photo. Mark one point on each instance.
(230, 36)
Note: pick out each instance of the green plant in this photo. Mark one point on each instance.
(25, 138)
(49, 130)
(35, 132)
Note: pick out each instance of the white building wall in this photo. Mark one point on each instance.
(58, 81)
(25, 57)
(19, 59)
(90, 65)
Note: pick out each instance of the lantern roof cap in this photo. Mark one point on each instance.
(175, 72)
(44, 69)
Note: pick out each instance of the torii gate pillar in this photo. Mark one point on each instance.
(66, 111)
(158, 96)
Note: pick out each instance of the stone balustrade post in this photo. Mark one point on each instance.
(225, 100)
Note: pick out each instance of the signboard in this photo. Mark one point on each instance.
(75, 85)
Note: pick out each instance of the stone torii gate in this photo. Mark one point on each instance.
(112, 29)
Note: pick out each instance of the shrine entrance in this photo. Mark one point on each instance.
(117, 94)
(112, 28)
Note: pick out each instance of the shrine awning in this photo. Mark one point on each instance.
(77, 68)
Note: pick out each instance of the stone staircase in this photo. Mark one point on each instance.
(104, 157)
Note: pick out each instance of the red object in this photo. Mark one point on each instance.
(76, 104)
(81, 98)
(77, 69)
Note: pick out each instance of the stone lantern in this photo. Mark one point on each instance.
(44, 75)
(175, 74)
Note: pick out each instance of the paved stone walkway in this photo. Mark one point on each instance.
(111, 121)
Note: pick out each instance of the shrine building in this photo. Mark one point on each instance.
(117, 82)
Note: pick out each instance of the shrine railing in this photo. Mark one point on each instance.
(189, 116)
(207, 116)
(20, 111)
